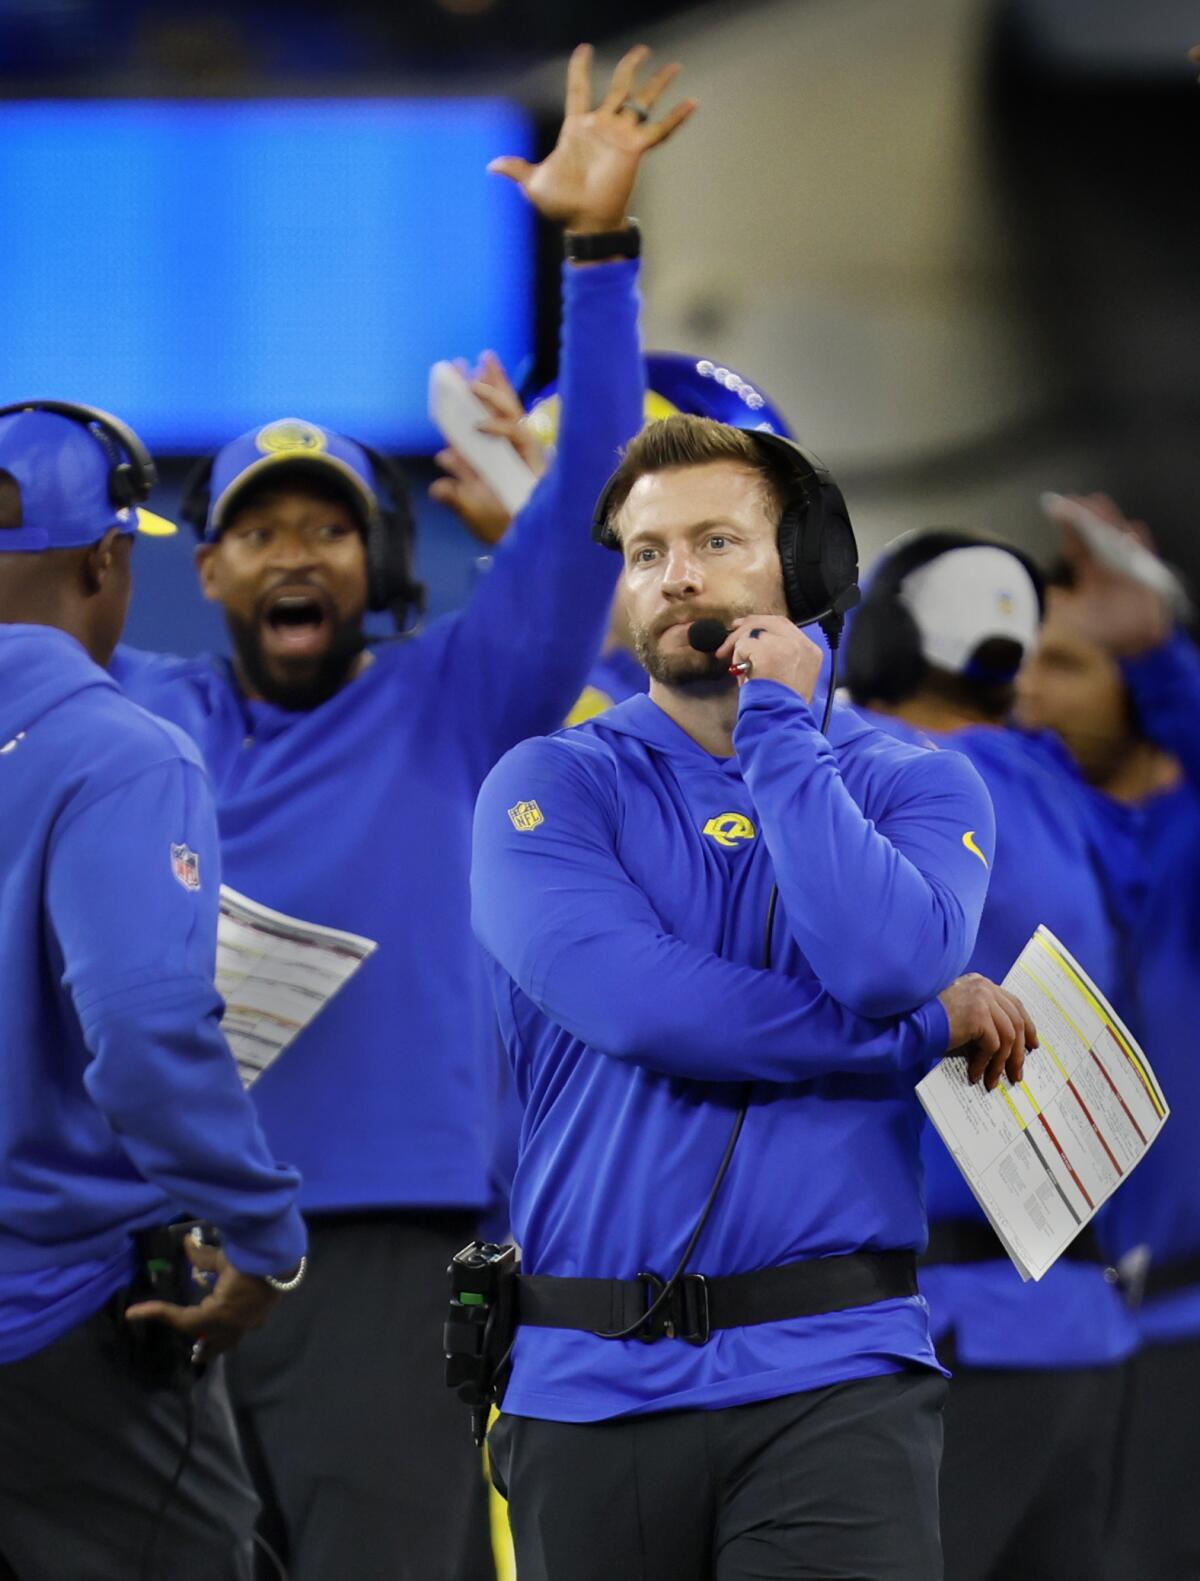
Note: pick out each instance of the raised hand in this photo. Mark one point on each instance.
(492, 385)
(467, 494)
(1112, 605)
(585, 183)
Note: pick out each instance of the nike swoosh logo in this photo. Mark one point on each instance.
(969, 842)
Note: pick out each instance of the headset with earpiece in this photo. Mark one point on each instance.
(132, 473)
(817, 549)
(390, 533)
(884, 661)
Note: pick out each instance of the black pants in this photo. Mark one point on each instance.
(829, 1485)
(362, 1457)
(1157, 1536)
(1028, 1473)
(86, 1457)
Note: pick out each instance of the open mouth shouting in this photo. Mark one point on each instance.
(296, 622)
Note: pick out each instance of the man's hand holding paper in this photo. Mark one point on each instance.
(989, 1027)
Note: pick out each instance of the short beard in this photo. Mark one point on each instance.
(321, 678)
(698, 674)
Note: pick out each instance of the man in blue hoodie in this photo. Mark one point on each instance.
(345, 779)
(932, 655)
(1120, 683)
(700, 907)
(122, 1104)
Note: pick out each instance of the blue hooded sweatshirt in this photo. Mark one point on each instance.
(122, 1103)
(621, 882)
(1043, 872)
(357, 814)
(1152, 857)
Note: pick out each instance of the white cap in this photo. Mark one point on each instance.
(966, 597)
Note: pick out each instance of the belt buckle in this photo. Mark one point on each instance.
(660, 1325)
(695, 1327)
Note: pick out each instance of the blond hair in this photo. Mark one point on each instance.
(686, 441)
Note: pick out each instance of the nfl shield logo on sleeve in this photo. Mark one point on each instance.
(185, 865)
(526, 815)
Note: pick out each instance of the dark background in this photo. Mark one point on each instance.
(1079, 146)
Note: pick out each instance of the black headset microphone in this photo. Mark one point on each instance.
(708, 634)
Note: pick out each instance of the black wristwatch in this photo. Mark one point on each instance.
(595, 248)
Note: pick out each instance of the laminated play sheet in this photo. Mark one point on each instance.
(275, 974)
(1041, 1156)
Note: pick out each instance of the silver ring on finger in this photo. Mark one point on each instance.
(640, 111)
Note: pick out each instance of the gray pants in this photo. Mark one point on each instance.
(87, 1454)
(833, 1483)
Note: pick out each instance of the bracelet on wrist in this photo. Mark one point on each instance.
(285, 1286)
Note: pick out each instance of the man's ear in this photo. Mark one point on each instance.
(206, 569)
(99, 561)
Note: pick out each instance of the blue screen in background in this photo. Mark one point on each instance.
(199, 268)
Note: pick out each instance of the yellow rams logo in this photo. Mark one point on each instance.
(1004, 603)
(288, 435)
(727, 828)
(526, 815)
(969, 842)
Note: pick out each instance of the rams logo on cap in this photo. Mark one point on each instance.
(727, 828)
(289, 435)
(1004, 602)
(526, 815)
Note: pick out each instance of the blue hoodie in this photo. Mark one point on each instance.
(357, 814)
(1152, 857)
(1043, 872)
(621, 883)
(122, 1104)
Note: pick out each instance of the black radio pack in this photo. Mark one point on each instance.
(480, 1326)
(158, 1355)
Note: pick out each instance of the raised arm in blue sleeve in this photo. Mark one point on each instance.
(526, 641)
(1165, 686)
(556, 909)
(139, 950)
(885, 912)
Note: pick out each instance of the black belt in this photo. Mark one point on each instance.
(699, 1304)
(968, 1241)
(1181, 1273)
